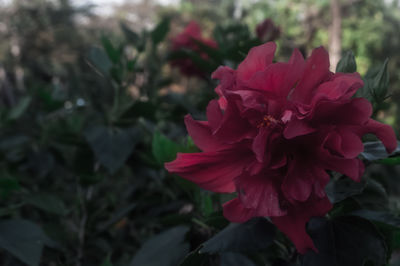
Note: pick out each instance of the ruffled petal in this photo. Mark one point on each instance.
(353, 112)
(342, 86)
(384, 132)
(235, 211)
(322, 179)
(353, 168)
(278, 79)
(227, 78)
(298, 182)
(233, 127)
(345, 143)
(221, 100)
(261, 193)
(214, 115)
(296, 127)
(214, 171)
(294, 223)
(201, 134)
(316, 71)
(260, 143)
(258, 59)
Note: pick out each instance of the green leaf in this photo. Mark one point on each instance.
(235, 259)
(381, 82)
(7, 185)
(255, 234)
(164, 149)
(206, 205)
(160, 31)
(99, 60)
(18, 110)
(48, 203)
(165, 249)
(345, 241)
(376, 83)
(130, 35)
(23, 239)
(347, 63)
(379, 216)
(390, 161)
(374, 151)
(343, 188)
(112, 146)
(374, 196)
(113, 53)
(216, 220)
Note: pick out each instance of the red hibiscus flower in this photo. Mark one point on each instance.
(267, 31)
(275, 131)
(188, 40)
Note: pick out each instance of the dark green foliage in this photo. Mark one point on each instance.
(347, 64)
(165, 249)
(255, 234)
(375, 150)
(345, 241)
(24, 239)
(376, 84)
(112, 146)
(343, 188)
(160, 31)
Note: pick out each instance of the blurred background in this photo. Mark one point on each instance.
(92, 99)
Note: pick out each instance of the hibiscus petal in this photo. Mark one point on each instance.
(233, 127)
(298, 183)
(279, 78)
(221, 100)
(260, 193)
(342, 86)
(352, 168)
(321, 181)
(223, 72)
(384, 132)
(258, 59)
(344, 142)
(296, 127)
(295, 72)
(355, 112)
(294, 223)
(271, 79)
(316, 71)
(351, 145)
(260, 143)
(214, 115)
(235, 211)
(214, 171)
(201, 134)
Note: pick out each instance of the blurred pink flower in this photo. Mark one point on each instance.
(274, 132)
(187, 40)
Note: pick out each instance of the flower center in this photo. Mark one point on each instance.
(267, 121)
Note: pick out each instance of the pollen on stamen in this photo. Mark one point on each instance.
(267, 121)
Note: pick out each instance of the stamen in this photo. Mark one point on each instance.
(268, 120)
